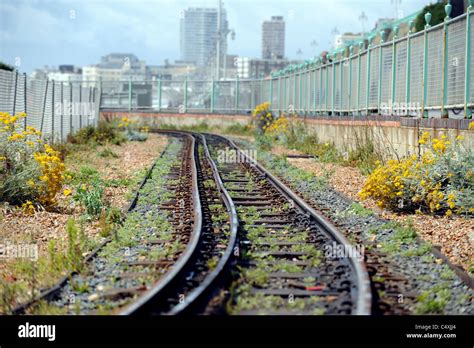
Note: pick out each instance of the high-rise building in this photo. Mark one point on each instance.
(273, 38)
(198, 35)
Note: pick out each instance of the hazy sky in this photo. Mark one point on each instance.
(35, 33)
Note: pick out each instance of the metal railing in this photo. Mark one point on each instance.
(57, 109)
(425, 74)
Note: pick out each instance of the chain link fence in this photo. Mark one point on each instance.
(57, 109)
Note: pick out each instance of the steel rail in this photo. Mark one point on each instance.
(199, 294)
(364, 293)
(147, 301)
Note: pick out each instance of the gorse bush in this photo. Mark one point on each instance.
(104, 133)
(31, 171)
(133, 132)
(440, 180)
(262, 117)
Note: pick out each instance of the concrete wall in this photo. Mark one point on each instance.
(390, 135)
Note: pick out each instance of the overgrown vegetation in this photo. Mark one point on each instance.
(440, 180)
(289, 131)
(438, 13)
(104, 133)
(31, 171)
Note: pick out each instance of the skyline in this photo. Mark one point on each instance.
(36, 33)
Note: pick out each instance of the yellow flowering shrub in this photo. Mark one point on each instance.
(440, 180)
(125, 122)
(31, 172)
(262, 117)
(280, 125)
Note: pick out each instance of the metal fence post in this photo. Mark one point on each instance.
(379, 96)
(14, 92)
(301, 92)
(326, 102)
(294, 91)
(62, 113)
(71, 126)
(236, 101)
(425, 64)
(369, 56)
(44, 106)
(444, 102)
(159, 94)
(80, 102)
(99, 101)
(411, 25)
(90, 102)
(349, 88)
(308, 101)
(130, 93)
(185, 94)
(52, 110)
(394, 67)
(279, 93)
(333, 83)
(315, 86)
(341, 81)
(467, 62)
(25, 99)
(359, 72)
(321, 87)
(212, 96)
(271, 91)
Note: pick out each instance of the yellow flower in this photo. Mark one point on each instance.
(2, 158)
(16, 136)
(30, 183)
(67, 192)
(424, 138)
(28, 208)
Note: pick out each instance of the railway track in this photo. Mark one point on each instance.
(270, 231)
(249, 246)
(287, 264)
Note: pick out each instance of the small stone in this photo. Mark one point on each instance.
(100, 288)
(93, 297)
(439, 261)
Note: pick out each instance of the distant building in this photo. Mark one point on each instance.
(250, 68)
(342, 40)
(178, 70)
(64, 73)
(273, 38)
(383, 23)
(115, 67)
(198, 35)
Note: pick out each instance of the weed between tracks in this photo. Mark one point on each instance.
(88, 291)
(244, 290)
(436, 284)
